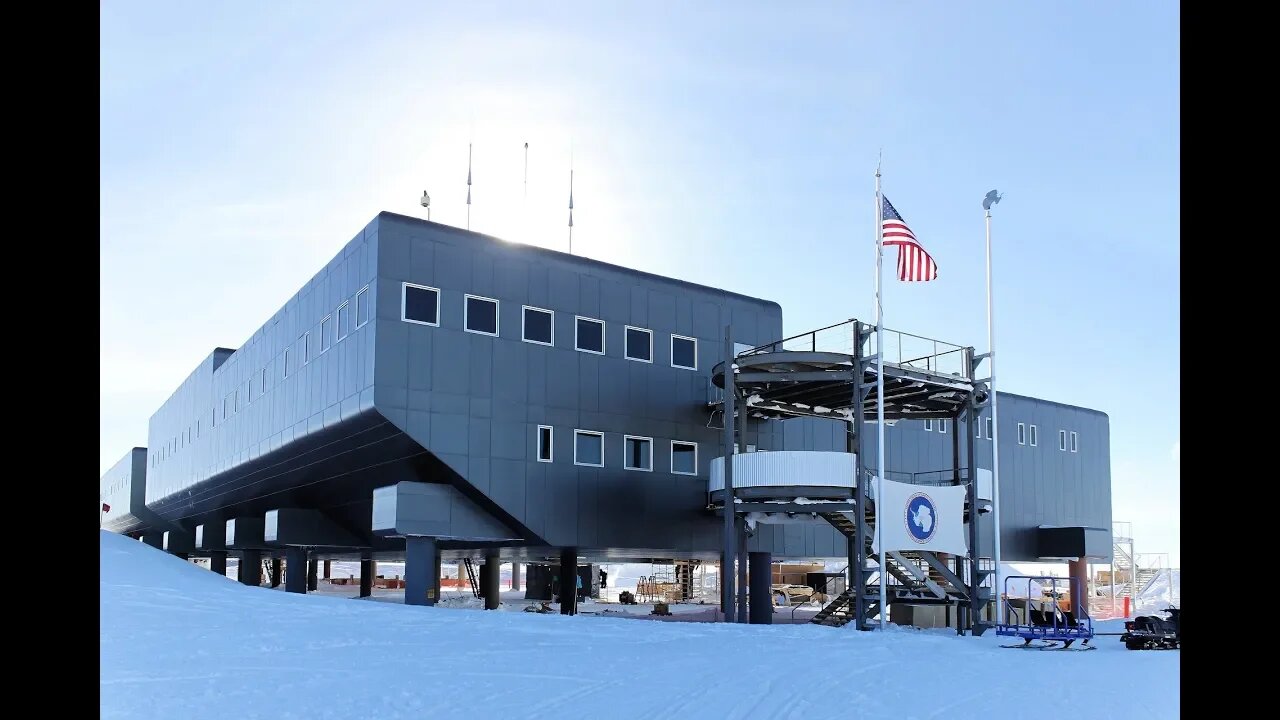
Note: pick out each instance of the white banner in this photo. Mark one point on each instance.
(923, 517)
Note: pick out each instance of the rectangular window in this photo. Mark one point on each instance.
(1074, 444)
(307, 352)
(480, 315)
(538, 326)
(226, 406)
(588, 448)
(264, 381)
(235, 400)
(420, 304)
(197, 429)
(545, 449)
(639, 344)
(326, 337)
(637, 453)
(977, 428)
(684, 352)
(942, 425)
(1033, 436)
(928, 424)
(588, 335)
(344, 320)
(362, 306)
(991, 428)
(285, 364)
(1062, 440)
(684, 458)
(248, 392)
(1022, 434)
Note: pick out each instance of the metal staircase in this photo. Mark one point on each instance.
(838, 612)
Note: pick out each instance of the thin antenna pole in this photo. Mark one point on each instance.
(997, 588)
(468, 186)
(526, 171)
(571, 204)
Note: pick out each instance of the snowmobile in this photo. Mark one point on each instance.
(1148, 632)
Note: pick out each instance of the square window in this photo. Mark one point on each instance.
(991, 428)
(639, 345)
(362, 306)
(326, 337)
(684, 458)
(942, 425)
(480, 315)
(637, 453)
(1074, 444)
(344, 320)
(538, 326)
(420, 304)
(1062, 440)
(307, 352)
(684, 352)
(1022, 434)
(1033, 436)
(588, 448)
(588, 335)
(545, 448)
(928, 424)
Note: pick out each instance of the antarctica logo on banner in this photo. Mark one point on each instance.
(932, 518)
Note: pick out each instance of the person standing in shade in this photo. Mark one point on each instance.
(604, 579)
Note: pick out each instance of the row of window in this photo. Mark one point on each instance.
(334, 328)
(637, 451)
(1025, 433)
(421, 304)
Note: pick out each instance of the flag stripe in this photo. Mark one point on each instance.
(915, 264)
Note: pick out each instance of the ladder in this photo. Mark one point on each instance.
(471, 576)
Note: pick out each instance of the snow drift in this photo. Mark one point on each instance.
(177, 641)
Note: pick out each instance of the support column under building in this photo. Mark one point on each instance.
(728, 601)
(761, 588)
(154, 539)
(327, 570)
(251, 567)
(295, 580)
(275, 571)
(312, 568)
(367, 568)
(515, 576)
(489, 579)
(568, 581)
(742, 570)
(1078, 571)
(421, 560)
(218, 562)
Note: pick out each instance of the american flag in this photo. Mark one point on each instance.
(914, 262)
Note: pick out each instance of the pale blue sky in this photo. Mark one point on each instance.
(733, 145)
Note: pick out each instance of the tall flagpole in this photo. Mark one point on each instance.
(997, 588)
(880, 458)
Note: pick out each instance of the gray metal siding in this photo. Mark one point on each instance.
(331, 386)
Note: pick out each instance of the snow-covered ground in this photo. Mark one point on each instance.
(179, 641)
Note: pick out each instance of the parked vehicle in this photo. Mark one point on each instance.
(1148, 632)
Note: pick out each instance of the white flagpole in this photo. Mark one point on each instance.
(880, 457)
(997, 589)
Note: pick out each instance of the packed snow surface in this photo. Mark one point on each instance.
(177, 641)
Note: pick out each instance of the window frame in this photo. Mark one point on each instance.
(1062, 440)
(991, 425)
(286, 362)
(324, 334)
(603, 339)
(626, 348)
(672, 458)
(1033, 436)
(404, 303)
(340, 331)
(626, 456)
(551, 444)
(1075, 442)
(524, 332)
(942, 426)
(928, 424)
(673, 352)
(362, 293)
(306, 347)
(1022, 433)
(466, 314)
(596, 433)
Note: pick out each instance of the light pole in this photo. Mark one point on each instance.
(997, 588)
